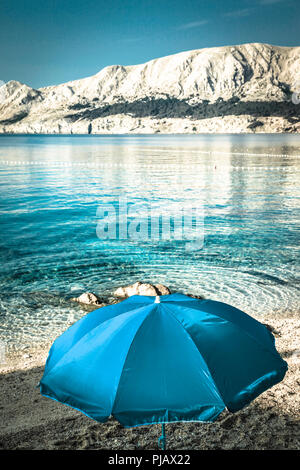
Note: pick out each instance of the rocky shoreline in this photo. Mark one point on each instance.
(138, 288)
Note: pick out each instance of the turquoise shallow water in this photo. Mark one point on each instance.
(246, 187)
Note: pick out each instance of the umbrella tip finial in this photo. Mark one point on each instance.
(157, 299)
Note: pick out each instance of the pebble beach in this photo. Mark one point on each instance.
(30, 421)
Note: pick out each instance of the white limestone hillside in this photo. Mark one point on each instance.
(246, 88)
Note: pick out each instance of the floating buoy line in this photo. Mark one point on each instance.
(161, 164)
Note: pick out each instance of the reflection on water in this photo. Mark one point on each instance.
(50, 188)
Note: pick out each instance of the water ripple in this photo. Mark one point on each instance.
(246, 188)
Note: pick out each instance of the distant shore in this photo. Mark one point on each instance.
(30, 421)
(126, 124)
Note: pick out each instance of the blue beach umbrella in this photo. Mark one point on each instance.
(162, 359)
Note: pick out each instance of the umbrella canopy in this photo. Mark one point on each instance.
(162, 359)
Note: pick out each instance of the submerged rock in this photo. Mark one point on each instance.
(88, 298)
(272, 329)
(199, 297)
(142, 288)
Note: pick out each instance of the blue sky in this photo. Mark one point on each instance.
(45, 42)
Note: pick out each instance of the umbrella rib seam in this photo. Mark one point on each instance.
(239, 328)
(127, 354)
(188, 334)
(82, 337)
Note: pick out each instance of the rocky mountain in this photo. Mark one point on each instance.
(245, 88)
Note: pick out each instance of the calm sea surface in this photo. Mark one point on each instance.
(247, 189)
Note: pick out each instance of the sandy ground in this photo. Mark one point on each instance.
(30, 421)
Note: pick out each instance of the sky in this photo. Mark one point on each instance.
(53, 41)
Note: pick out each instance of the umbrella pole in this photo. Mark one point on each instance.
(162, 438)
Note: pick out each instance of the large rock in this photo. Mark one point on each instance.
(88, 298)
(142, 288)
(162, 290)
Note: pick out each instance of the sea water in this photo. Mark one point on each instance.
(54, 191)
